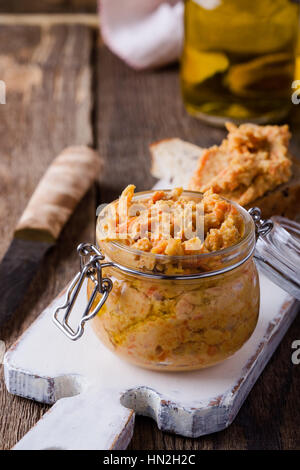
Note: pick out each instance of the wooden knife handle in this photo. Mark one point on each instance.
(63, 185)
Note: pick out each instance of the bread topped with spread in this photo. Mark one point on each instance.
(252, 167)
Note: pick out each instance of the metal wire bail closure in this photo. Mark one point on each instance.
(277, 251)
(91, 268)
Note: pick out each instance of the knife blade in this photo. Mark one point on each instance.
(63, 185)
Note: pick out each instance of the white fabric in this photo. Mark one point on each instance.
(144, 33)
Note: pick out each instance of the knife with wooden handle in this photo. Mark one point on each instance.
(63, 185)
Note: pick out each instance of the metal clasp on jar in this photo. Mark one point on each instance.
(91, 268)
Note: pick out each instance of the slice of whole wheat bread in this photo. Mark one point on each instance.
(174, 161)
(283, 200)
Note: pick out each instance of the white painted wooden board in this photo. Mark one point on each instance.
(91, 387)
(94, 392)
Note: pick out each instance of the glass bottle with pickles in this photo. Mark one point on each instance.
(238, 59)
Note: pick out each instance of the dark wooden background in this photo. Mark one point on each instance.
(64, 87)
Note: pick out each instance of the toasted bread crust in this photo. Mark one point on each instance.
(174, 160)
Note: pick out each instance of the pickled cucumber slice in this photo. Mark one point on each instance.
(198, 66)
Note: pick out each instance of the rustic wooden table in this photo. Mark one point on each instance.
(64, 87)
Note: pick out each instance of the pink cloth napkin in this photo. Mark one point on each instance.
(144, 33)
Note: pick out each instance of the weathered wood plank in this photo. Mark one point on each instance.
(48, 107)
(133, 110)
